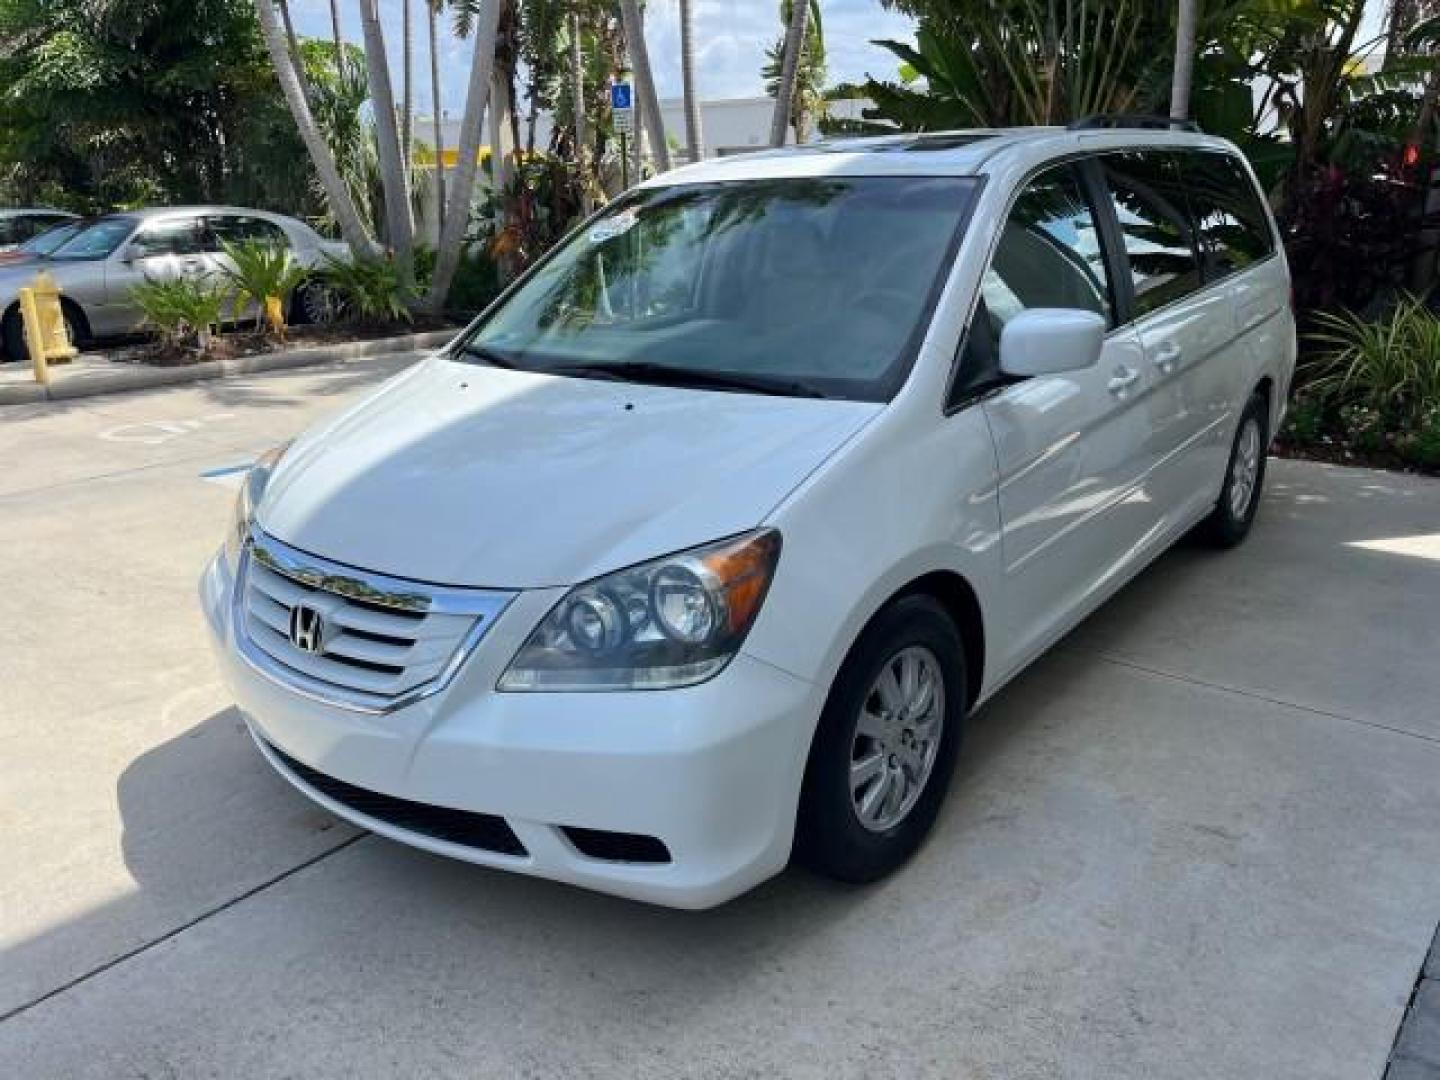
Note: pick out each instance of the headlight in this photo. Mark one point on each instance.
(672, 622)
(252, 487)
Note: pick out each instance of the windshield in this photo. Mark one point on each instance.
(806, 286)
(49, 240)
(96, 240)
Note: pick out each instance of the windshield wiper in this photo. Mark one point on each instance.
(489, 356)
(699, 378)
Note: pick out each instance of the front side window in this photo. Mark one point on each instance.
(1049, 254)
(807, 286)
(1151, 204)
(97, 240)
(1233, 228)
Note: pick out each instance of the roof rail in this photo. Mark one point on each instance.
(1131, 120)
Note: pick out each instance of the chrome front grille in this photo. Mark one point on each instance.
(351, 638)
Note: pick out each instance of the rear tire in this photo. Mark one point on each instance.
(1229, 522)
(881, 761)
(12, 337)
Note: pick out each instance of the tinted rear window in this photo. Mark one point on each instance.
(1154, 214)
(1234, 230)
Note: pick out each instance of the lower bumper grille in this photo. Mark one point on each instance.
(488, 832)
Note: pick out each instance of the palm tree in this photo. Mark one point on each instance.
(432, 10)
(1186, 20)
(462, 190)
(395, 180)
(348, 218)
(335, 31)
(407, 85)
(789, 65)
(694, 134)
(649, 103)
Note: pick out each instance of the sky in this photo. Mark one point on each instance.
(731, 41)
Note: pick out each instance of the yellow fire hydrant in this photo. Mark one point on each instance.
(46, 334)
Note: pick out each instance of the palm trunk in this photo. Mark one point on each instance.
(430, 8)
(694, 134)
(393, 178)
(292, 43)
(789, 70)
(1185, 22)
(649, 103)
(577, 96)
(462, 189)
(338, 195)
(335, 32)
(407, 86)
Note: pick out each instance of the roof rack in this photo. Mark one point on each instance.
(1131, 120)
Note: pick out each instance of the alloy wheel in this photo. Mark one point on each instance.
(897, 738)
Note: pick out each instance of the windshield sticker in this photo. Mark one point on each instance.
(611, 227)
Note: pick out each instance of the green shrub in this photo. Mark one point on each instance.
(260, 270)
(1391, 364)
(1374, 386)
(182, 310)
(476, 282)
(366, 290)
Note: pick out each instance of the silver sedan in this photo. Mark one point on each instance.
(101, 263)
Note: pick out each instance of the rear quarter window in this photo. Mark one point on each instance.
(1233, 228)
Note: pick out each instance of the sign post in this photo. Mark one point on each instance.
(622, 113)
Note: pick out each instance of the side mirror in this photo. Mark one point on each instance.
(130, 252)
(1047, 341)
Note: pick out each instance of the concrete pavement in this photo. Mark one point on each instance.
(1198, 840)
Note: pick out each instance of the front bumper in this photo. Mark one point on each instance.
(711, 771)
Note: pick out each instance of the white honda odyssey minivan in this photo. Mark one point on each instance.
(696, 549)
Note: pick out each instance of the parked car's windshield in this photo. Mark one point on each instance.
(808, 286)
(96, 240)
(50, 239)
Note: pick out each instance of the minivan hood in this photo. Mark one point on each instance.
(460, 474)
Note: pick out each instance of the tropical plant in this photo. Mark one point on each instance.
(367, 290)
(1002, 62)
(803, 82)
(1391, 364)
(107, 103)
(297, 98)
(261, 273)
(182, 310)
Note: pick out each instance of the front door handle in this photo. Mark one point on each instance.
(1167, 357)
(1124, 379)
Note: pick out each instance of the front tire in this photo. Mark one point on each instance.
(1229, 522)
(885, 747)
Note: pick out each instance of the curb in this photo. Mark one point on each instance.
(120, 378)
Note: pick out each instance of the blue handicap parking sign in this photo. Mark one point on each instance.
(620, 96)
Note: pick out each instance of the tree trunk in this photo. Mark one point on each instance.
(789, 70)
(430, 8)
(577, 97)
(351, 227)
(649, 103)
(293, 44)
(407, 86)
(1185, 22)
(399, 223)
(335, 31)
(694, 133)
(462, 187)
